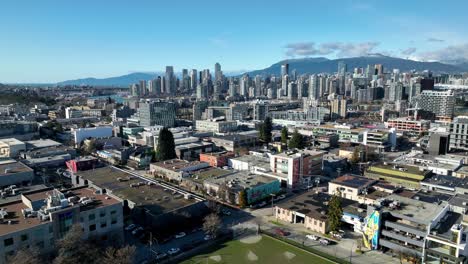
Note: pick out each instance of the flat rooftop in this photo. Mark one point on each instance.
(417, 210)
(42, 143)
(19, 222)
(315, 205)
(397, 167)
(208, 173)
(442, 180)
(10, 167)
(154, 197)
(176, 164)
(353, 181)
(242, 180)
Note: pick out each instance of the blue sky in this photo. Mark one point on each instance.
(50, 41)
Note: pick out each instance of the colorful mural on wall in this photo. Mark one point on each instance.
(372, 230)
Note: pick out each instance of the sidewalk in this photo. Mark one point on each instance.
(345, 249)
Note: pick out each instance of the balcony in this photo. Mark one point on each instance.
(405, 228)
(401, 248)
(403, 238)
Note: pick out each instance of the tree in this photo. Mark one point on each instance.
(166, 146)
(72, 248)
(265, 130)
(296, 141)
(355, 156)
(335, 212)
(122, 255)
(284, 135)
(26, 256)
(211, 224)
(243, 199)
(89, 146)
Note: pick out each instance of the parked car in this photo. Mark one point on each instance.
(281, 197)
(207, 237)
(130, 227)
(312, 237)
(161, 255)
(324, 242)
(261, 204)
(336, 235)
(180, 235)
(281, 232)
(137, 230)
(173, 251)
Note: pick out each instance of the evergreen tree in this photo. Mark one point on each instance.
(166, 146)
(284, 135)
(265, 130)
(335, 212)
(296, 141)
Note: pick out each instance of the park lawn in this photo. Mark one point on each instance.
(268, 250)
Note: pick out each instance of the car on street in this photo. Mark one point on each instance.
(336, 235)
(281, 232)
(312, 237)
(281, 197)
(324, 242)
(173, 251)
(260, 205)
(130, 227)
(137, 230)
(180, 235)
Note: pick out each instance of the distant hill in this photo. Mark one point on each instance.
(324, 65)
(120, 81)
(304, 65)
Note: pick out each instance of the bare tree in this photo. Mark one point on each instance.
(212, 224)
(72, 248)
(26, 256)
(122, 255)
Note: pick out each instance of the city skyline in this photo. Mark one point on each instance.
(51, 41)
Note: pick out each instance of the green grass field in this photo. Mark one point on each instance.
(267, 250)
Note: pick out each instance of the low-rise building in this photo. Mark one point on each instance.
(399, 175)
(175, 169)
(161, 208)
(44, 216)
(235, 142)
(216, 126)
(11, 147)
(15, 173)
(231, 186)
(216, 159)
(410, 126)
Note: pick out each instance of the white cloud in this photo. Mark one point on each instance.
(449, 53)
(339, 49)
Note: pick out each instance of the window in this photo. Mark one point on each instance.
(114, 221)
(102, 213)
(92, 227)
(8, 242)
(24, 237)
(320, 224)
(103, 224)
(91, 217)
(113, 212)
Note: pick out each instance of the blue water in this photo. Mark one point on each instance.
(117, 98)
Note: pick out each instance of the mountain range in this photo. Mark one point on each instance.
(302, 66)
